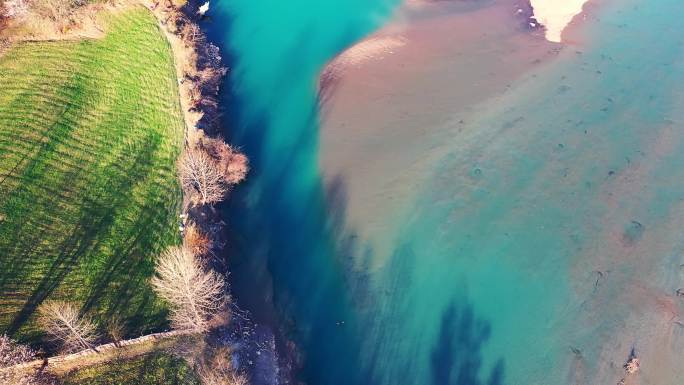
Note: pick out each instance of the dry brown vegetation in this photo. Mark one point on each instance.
(232, 164)
(198, 65)
(13, 353)
(13, 9)
(50, 19)
(54, 10)
(115, 329)
(216, 368)
(198, 242)
(64, 325)
(208, 169)
(195, 293)
(212, 364)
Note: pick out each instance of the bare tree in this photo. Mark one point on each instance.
(213, 364)
(116, 328)
(200, 172)
(195, 294)
(189, 32)
(63, 323)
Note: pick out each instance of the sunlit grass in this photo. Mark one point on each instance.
(153, 369)
(89, 134)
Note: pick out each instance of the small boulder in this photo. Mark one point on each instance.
(632, 365)
(203, 9)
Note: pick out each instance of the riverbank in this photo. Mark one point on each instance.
(253, 346)
(198, 72)
(201, 72)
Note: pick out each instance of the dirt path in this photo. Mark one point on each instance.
(124, 349)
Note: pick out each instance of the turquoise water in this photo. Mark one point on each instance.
(280, 215)
(543, 246)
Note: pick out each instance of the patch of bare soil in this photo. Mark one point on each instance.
(76, 23)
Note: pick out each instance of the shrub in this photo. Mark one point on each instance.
(232, 164)
(12, 353)
(13, 9)
(216, 368)
(195, 240)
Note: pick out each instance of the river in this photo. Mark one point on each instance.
(465, 203)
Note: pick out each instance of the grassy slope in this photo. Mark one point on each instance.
(89, 134)
(153, 369)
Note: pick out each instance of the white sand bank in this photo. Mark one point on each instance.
(555, 15)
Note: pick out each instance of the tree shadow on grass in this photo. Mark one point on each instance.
(111, 243)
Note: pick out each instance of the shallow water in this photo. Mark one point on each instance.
(541, 239)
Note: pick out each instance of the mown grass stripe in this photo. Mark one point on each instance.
(89, 132)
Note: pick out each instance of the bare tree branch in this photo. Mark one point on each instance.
(199, 172)
(194, 293)
(62, 322)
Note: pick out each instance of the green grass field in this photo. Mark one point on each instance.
(153, 369)
(89, 134)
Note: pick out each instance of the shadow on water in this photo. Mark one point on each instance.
(456, 357)
(394, 351)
